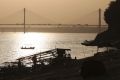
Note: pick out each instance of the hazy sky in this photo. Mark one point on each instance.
(61, 11)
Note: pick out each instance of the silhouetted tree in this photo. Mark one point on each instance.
(112, 16)
(108, 38)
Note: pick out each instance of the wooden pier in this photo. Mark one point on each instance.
(40, 59)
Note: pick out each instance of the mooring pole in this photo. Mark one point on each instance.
(24, 20)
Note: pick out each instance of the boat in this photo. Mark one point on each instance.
(27, 47)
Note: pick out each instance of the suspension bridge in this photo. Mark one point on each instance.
(28, 21)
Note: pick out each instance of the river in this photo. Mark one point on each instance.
(11, 43)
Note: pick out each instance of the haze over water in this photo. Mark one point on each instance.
(58, 11)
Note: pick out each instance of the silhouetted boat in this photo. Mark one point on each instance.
(27, 47)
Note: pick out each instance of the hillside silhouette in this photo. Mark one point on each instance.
(110, 39)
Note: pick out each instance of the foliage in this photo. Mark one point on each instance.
(112, 16)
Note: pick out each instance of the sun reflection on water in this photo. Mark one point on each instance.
(11, 43)
(37, 40)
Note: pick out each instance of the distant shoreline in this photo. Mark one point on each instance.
(54, 29)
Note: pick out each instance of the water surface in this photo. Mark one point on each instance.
(11, 43)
